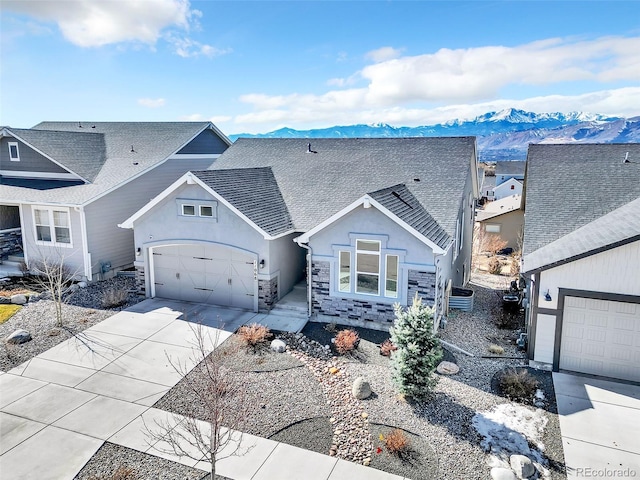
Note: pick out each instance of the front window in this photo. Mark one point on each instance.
(52, 226)
(14, 153)
(188, 210)
(344, 276)
(368, 267)
(391, 284)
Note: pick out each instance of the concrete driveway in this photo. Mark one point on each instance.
(600, 425)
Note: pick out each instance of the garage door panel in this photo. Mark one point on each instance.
(601, 337)
(213, 274)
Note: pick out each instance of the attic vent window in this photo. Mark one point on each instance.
(14, 152)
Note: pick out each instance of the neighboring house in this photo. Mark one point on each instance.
(582, 258)
(66, 185)
(503, 219)
(509, 169)
(486, 190)
(507, 189)
(371, 221)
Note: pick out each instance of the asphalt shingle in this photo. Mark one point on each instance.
(570, 186)
(255, 193)
(318, 183)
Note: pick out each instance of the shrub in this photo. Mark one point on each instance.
(419, 352)
(114, 297)
(331, 327)
(387, 347)
(396, 442)
(495, 267)
(495, 349)
(346, 341)
(254, 334)
(518, 384)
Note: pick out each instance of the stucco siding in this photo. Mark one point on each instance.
(206, 142)
(108, 242)
(370, 221)
(288, 259)
(30, 160)
(511, 226)
(613, 271)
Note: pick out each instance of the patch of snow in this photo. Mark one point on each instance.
(509, 429)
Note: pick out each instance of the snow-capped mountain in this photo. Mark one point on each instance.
(502, 135)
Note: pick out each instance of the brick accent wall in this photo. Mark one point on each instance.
(10, 243)
(345, 308)
(422, 283)
(139, 279)
(267, 293)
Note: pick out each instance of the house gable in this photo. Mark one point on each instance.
(207, 142)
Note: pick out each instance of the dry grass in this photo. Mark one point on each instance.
(8, 311)
(495, 349)
(495, 266)
(346, 341)
(396, 442)
(254, 334)
(387, 347)
(518, 385)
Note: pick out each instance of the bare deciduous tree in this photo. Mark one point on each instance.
(53, 275)
(224, 406)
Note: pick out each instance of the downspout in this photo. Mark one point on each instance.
(86, 256)
(309, 254)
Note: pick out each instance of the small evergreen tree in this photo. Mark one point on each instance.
(419, 351)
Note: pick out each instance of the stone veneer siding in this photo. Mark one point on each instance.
(10, 243)
(267, 293)
(139, 279)
(352, 309)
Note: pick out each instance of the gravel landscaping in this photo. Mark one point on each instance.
(303, 396)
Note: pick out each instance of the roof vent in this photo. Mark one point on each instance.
(309, 149)
(132, 150)
(79, 125)
(416, 180)
(626, 158)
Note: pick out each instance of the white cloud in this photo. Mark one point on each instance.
(616, 102)
(411, 90)
(94, 23)
(384, 53)
(151, 102)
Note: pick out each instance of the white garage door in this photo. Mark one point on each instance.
(601, 337)
(206, 274)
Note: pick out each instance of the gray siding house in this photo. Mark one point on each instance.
(581, 258)
(64, 186)
(365, 223)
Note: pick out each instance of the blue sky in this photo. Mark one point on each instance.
(257, 66)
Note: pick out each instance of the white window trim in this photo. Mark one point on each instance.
(495, 227)
(188, 214)
(52, 227)
(386, 274)
(339, 284)
(200, 207)
(11, 157)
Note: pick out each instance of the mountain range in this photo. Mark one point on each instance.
(502, 135)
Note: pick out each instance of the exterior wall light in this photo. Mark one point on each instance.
(547, 296)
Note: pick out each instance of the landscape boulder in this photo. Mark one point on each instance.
(447, 368)
(361, 388)
(18, 337)
(499, 473)
(18, 299)
(522, 466)
(278, 345)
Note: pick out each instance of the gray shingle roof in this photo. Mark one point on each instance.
(510, 168)
(152, 143)
(317, 185)
(255, 193)
(81, 153)
(616, 227)
(569, 186)
(401, 202)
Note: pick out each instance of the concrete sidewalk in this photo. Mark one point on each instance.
(58, 409)
(599, 423)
